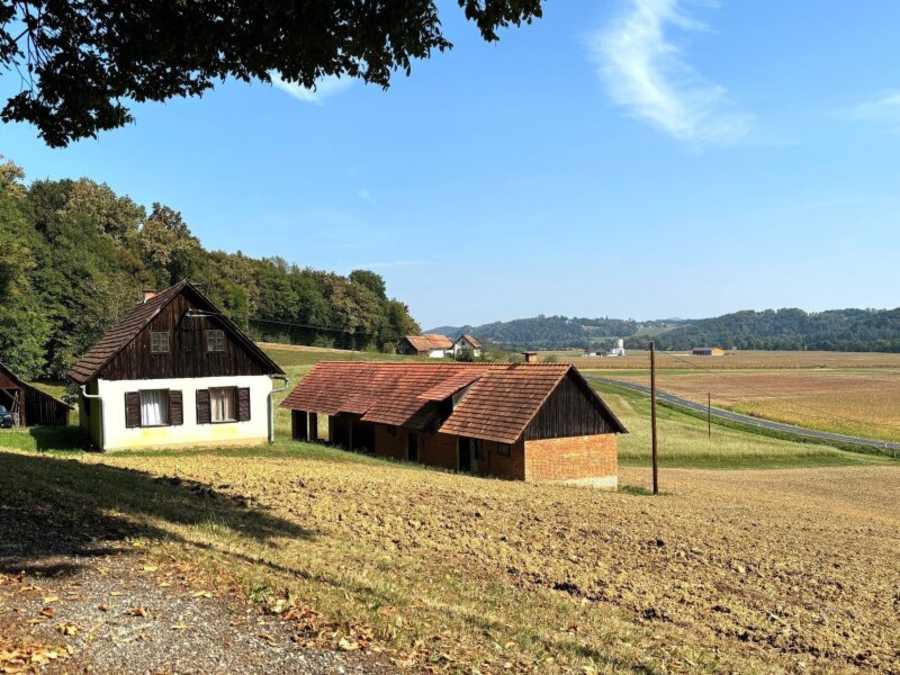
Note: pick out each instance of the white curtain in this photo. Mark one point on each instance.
(154, 408)
(221, 402)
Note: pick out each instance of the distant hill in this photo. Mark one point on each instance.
(853, 330)
(557, 332)
(781, 329)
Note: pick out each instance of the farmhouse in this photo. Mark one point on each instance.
(707, 351)
(175, 372)
(526, 422)
(466, 343)
(430, 344)
(29, 406)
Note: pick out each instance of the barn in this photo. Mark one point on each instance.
(30, 406)
(431, 344)
(532, 422)
(175, 372)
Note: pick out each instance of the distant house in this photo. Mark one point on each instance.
(525, 422)
(466, 343)
(30, 406)
(430, 344)
(175, 372)
(707, 351)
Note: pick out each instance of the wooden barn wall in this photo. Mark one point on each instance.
(43, 409)
(568, 411)
(187, 356)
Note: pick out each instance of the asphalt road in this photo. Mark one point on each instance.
(747, 420)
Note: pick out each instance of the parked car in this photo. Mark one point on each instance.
(6, 418)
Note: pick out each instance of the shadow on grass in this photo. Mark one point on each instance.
(62, 438)
(56, 514)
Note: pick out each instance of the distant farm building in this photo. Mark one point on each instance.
(707, 351)
(618, 350)
(466, 343)
(524, 422)
(431, 345)
(28, 405)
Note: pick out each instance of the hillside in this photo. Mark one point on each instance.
(852, 330)
(553, 332)
(865, 330)
(75, 256)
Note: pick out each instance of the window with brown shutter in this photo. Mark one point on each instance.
(176, 408)
(132, 409)
(243, 396)
(203, 406)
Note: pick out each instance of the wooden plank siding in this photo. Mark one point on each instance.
(187, 355)
(568, 411)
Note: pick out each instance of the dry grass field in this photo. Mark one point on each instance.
(735, 571)
(862, 402)
(761, 555)
(637, 360)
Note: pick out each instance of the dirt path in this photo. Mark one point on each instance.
(116, 613)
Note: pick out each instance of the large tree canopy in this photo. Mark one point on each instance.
(81, 61)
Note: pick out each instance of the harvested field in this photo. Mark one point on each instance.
(732, 360)
(764, 571)
(864, 402)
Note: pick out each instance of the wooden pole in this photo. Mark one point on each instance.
(653, 416)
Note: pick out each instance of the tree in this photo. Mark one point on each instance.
(374, 282)
(80, 60)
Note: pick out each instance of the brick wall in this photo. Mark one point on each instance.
(570, 459)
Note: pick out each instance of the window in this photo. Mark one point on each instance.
(504, 449)
(215, 341)
(222, 404)
(159, 341)
(154, 408)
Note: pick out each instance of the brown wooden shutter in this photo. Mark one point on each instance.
(176, 408)
(243, 404)
(132, 409)
(203, 413)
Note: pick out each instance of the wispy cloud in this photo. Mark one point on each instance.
(366, 195)
(884, 109)
(325, 87)
(646, 73)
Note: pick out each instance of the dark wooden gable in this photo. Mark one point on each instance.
(188, 355)
(572, 409)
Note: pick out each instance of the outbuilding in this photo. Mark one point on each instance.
(29, 405)
(467, 343)
(175, 372)
(517, 421)
(431, 344)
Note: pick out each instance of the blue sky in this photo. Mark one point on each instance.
(626, 158)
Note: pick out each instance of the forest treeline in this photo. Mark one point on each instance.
(846, 330)
(75, 257)
(864, 330)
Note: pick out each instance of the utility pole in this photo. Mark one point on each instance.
(709, 415)
(653, 415)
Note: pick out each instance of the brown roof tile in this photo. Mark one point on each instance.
(500, 402)
(429, 341)
(120, 334)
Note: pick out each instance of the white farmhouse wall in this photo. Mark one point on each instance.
(437, 353)
(117, 436)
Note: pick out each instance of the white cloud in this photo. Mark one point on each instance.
(885, 108)
(365, 194)
(645, 72)
(325, 87)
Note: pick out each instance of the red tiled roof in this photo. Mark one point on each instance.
(500, 402)
(429, 341)
(120, 334)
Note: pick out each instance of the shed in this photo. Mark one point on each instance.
(430, 344)
(29, 405)
(518, 421)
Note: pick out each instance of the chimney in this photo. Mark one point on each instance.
(530, 357)
(149, 294)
